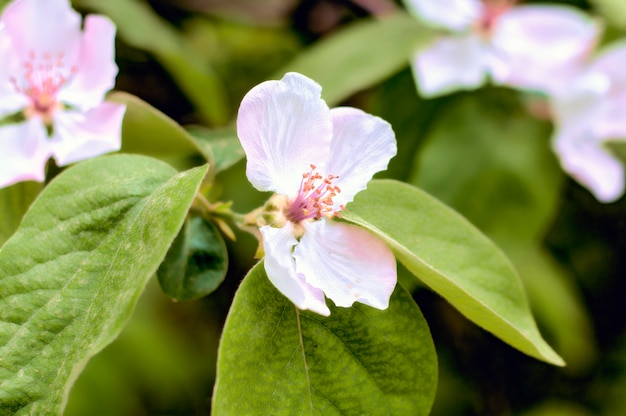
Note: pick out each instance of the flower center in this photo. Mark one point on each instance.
(44, 76)
(315, 197)
(492, 10)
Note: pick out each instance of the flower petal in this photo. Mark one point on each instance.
(610, 62)
(281, 270)
(543, 45)
(38, 28)
(455, 15)
(79, 136)
(348, 263)
(12, 100)
(96, 65)
(450, 64)
(612, 125)
(582, 104)
(25, 152)
(584, 158)
(358, 133)
(284, 126)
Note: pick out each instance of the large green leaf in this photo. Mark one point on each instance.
(361, 55)
(142, 28)
(14, 201)
(71, 275)
(359, 361)
(454, 259)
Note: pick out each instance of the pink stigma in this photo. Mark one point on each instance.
(314, 199)
(44, 76)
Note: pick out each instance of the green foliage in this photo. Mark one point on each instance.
(149, 132)
(491, 161)
(454, 259)
(72, 273)
(483, 151)
(14, 201)
(163, 354)
(143, 29)
(224, 145)
(196, 263)
(360, 55)
(276, 360)
(613, 10)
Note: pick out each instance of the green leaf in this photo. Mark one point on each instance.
(454, 259)
(359, 361)
(71, 275)
(149, 132)
(488, 159)
(142, 28)
(224, 145)
(196, 263)
(485, 154)
(361, 55)
(613, 10)
(14, 201)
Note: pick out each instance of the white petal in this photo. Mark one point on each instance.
(284, 127)
(25, 151)
(362, 145)
(79, 136)
(584, 158)
(605, 80)
(455, 15)
(281, 270)
(11, 101)
(581, 104)
(612, 124)
(348, 263)
(44, 27)
(610, 62)
(544, 45)
(451, 64)
(96, 65)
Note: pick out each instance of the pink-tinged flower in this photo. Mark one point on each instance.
(53, 80)
(588, 113)
(533, 47)
(316, 160)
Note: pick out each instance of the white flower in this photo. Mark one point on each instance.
(54, 77)
(535, 47)
(589, 112)
(316, 160)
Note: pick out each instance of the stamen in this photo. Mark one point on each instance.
(43, 78)
(315, 197)
(492, 11)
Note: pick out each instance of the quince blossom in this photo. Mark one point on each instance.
(53, 80)
(589, 113)
(316, 160)
(534, 47)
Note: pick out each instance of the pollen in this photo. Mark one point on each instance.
(43, 77)
(315, 197)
